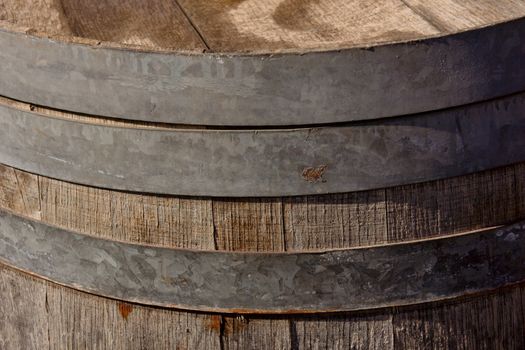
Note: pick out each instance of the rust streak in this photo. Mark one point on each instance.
(214, 323)
(125, 310)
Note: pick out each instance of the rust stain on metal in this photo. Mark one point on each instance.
(314, 174)
(125, 310)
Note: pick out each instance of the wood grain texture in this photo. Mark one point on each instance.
(244, 26)
(36, 314)
(455, 15)
(40, 315)
(42, 15)
(455, 205)
(23, 312)
(467, 203)
(359, 332)
(248, 225)
(255, 26)
(335, 221)
(157, 24)
(81, 321)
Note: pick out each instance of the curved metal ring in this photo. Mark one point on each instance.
(251, 163)
(282, 89)
(343, 280)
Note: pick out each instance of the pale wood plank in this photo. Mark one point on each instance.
(294, 24)
(152, 23)
(458, 15)
(43, 15)
(23, 312)
(164, 221)
(335, 221)
(158, 24)
(19, 192)
(248, 224)
(256, 26)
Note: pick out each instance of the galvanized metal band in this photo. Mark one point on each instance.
(282, 89)
(344, 280)
(248, 163)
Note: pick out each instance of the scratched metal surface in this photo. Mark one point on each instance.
(282, 89)
(342, 280)
(247, 163)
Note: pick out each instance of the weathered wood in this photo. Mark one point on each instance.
(158, 220)
(347, 220)
(255, 26)
(23, 312)
(456, 15)
(249, 225)
(255, 333)
(359, 332)
(482, 322)
(249, 26)
(81, 321)
(336, 221)
(157, 24)
(484, 200)
(35, 314)
(467, 203)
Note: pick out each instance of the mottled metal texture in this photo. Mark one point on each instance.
(247, 163)
(280, 89)
(329, 281)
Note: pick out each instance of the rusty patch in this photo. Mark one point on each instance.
(125, 310)
(314, 174)
(214, 323)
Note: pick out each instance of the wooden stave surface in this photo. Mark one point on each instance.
(508, 184)
(342, 86)
(44, 315)
(260, 163)
(222, 26)
(294, 224)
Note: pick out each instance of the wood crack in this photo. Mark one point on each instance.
(427, 17)
(194, 26)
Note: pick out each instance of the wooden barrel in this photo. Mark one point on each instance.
(247, 175)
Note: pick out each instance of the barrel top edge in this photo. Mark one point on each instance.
(8, 28)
